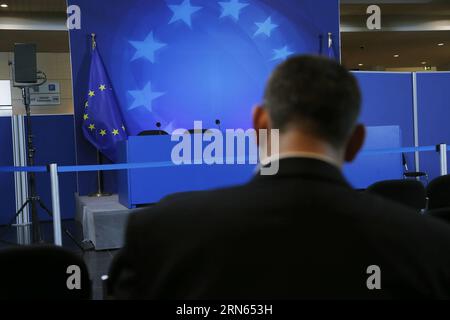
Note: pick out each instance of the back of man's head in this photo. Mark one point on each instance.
(316, 96)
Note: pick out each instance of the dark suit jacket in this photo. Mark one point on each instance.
(304, 233)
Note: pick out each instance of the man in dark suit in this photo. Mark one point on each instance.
(302, 233)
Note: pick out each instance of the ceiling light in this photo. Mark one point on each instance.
(441, 44)
(361, 64)
(4, 5)
(424, 62)
(396, 55)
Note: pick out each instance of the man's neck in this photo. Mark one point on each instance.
(297, 144)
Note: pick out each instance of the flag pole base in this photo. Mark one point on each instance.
(100, 195)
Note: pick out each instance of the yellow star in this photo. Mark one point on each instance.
(103, 133)
(115, 132)
(91, 93)
(123, 128)
(86, 116)
(86, 104)
(92, 127)
(102, 87)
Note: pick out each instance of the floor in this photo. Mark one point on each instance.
(98, 262)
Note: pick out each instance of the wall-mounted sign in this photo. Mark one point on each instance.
(47, 94)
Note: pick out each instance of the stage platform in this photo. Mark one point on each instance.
(103, 220)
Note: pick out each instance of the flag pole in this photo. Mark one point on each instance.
(100, 192)
(94, 43)
(331, 52)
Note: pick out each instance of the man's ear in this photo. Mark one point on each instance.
(260, 120)
(355, 143)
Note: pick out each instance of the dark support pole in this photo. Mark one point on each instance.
(99, 174)
(320, 45)
(100, 184)
(32, 193)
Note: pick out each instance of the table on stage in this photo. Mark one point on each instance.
(149, 185)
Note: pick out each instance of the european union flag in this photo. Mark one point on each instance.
(103, 124)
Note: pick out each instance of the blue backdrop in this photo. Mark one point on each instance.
(176, 61)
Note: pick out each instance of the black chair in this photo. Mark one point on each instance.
(438, 191)
(42, 273)
(411, 193)
(412, 174)
(441, 214)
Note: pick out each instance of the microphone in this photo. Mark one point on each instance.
(218, 124)
(158, 125)
(404, 162)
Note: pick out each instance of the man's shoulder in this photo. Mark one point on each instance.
(376, 214)
(205, 197)
(191, 205)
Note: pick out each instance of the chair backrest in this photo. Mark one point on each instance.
(411, 193)
(441, 214)
(43, 273)
(438, 191)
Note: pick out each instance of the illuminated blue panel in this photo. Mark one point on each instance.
(176, 61)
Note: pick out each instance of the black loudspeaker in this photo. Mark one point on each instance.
(25, 69)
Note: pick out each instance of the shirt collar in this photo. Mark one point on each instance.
(307, 155)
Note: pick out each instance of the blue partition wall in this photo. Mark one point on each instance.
(433, 100)
(54, 143)
(172, 68)
(7, 197)
(388, 101)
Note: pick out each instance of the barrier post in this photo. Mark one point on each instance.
(56, 206)
(443, 157)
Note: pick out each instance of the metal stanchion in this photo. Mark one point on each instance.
(23, 222)
(54, 180)
(443, 157)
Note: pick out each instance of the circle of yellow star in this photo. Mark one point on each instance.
(91, 93)
(102, 87)
(92, 127)
(103, 133)
(86, 116)
(115, 132)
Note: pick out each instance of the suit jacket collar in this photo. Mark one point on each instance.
(306, 168)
